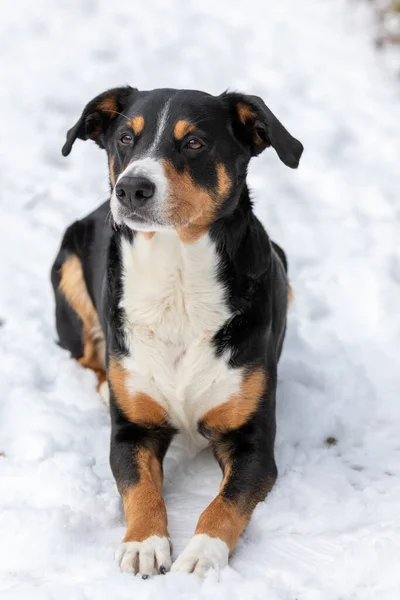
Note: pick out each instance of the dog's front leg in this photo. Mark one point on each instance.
(246, 456)
(139, 440)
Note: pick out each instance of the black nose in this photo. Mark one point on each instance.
(134, 191)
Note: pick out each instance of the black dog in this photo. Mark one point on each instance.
(180, 306)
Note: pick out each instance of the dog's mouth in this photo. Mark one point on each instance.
(144, 220)
(134, 221)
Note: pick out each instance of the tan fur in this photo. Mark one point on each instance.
(148, 235)
(190, 207)
(182, 128)
(137, 407)
(224, 183)
(227, 519)
(290, 295)
(236, 411)
(227, 474)
(109, 105)
(222, 519)
(245, 113)
(74, 288)
(137, 124)
(144, 507)
(112, 170)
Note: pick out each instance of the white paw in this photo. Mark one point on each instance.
(104, 392)
(149, 557)
(201, 554)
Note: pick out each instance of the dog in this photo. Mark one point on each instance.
(178, 301)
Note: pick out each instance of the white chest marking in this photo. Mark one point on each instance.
(174, 305)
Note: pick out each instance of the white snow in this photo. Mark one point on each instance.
(330, 529)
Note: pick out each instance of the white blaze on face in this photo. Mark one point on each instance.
(161, 125)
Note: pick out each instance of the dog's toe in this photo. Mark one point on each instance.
(201, 554)
(146, 558)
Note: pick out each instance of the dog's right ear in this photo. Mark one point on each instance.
(97, 116)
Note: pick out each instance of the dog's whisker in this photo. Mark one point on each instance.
(116, 113)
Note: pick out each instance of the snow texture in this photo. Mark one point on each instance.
(330, 529)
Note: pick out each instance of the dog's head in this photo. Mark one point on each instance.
(178, 158)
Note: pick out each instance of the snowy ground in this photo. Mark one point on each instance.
(330, 529)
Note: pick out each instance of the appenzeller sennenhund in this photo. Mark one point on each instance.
(174, 294)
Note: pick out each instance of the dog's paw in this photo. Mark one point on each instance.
(149, 557)
(201, 554)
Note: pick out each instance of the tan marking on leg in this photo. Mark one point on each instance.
(237, 410)
(182, 128)
(144, 507)
(73, 286)
(136, 406)
(245, 114)
(112, 170)
(227, 474)
(222, 520)
(226, 519)
(228, 514)
(137, 124)
(191, 208)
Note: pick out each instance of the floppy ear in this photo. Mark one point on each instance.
(256, 126)
(97, 116)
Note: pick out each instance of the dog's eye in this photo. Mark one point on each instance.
(193, 144)
(126, 139)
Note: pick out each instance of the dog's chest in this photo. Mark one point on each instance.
(174, 305)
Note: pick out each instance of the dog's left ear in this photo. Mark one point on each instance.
(256, 126)
(97, 116)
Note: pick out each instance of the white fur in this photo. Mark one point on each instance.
(174, 306)
(161, 125)
(144, 557)
(104, 392)
(151, 169)
(201, 554)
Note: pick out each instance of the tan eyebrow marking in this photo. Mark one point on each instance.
(137, 124)
(182, 128)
